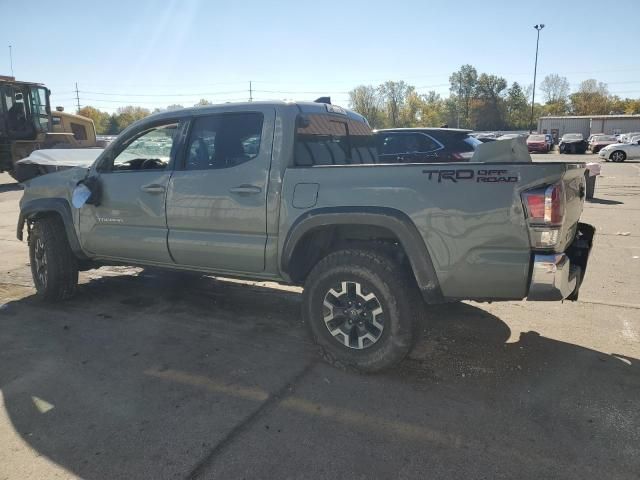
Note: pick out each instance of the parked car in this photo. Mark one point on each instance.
(537, 143)
(598, 142)
(291, 192)
(619, 152)
(549, 139)
(510, 136)
(572, 143)
(626, 137)
(420, 145)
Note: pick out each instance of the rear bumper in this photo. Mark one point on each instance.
(552, 278)
(558, 276)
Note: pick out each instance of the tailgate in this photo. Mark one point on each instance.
(573, 181)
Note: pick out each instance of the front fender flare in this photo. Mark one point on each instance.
(61, 207)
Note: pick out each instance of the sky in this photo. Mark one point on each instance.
(156, 53)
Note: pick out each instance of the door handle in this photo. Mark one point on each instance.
(153, 188)
(400, 158)
(246, 189)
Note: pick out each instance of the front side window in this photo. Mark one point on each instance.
(224, 141)
(150, 150)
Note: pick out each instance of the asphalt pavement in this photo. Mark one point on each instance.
(146, 374)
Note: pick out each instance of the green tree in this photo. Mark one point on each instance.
(203, 102)
(365, 100)
(463, 88)
(517, 108)
(393, 96)
(101, 120)
(432, 111)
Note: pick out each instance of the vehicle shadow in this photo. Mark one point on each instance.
(603, 201)
(10, 187)
(119, 382)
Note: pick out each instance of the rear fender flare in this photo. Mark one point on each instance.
(391, 219)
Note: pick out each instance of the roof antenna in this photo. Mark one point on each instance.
(323, 100)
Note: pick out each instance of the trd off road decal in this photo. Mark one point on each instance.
(478, 176)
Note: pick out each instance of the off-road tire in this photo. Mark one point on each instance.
(395, 289)
(54, 267)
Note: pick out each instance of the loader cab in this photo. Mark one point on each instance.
(24, 110)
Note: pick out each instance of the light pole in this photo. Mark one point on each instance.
(535, 71)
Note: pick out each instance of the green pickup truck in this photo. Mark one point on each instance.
(296, 193)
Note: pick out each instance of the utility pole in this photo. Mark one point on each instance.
(535, 71)
(250, 92)
(11, 60)
(77, 97)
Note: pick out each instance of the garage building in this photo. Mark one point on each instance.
(589, 124)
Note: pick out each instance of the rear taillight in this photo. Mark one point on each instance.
(545, 214)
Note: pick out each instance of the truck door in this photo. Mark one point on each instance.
(130, 221)
(216, 202)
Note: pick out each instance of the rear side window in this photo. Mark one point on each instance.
(224, 141)
(79, 132)
(326, 140)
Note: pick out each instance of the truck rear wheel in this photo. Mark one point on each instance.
(361, 308)
(54, 267)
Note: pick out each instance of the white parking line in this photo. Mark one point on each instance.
(628, 330)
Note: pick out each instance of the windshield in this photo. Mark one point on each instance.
(604, 138)
(536, 138)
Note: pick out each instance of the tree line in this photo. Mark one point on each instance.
(478, 101)
(114, 123)
(483, 102)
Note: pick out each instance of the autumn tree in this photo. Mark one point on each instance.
(125, 116)
(365, 100)
(101, 120)
(592, 98)
(487, 108)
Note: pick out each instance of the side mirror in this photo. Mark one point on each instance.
(87, 191)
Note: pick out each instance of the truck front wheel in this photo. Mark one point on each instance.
(54, 267)
(361, 308)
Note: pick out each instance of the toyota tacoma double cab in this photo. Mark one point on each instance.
(296, 193)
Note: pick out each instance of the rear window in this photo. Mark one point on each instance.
(537, 138)
(331, 140)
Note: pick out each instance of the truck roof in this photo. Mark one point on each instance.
(302, 107)
(12, 80)
(425, 129)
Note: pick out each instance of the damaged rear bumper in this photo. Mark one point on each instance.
(558, 276)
